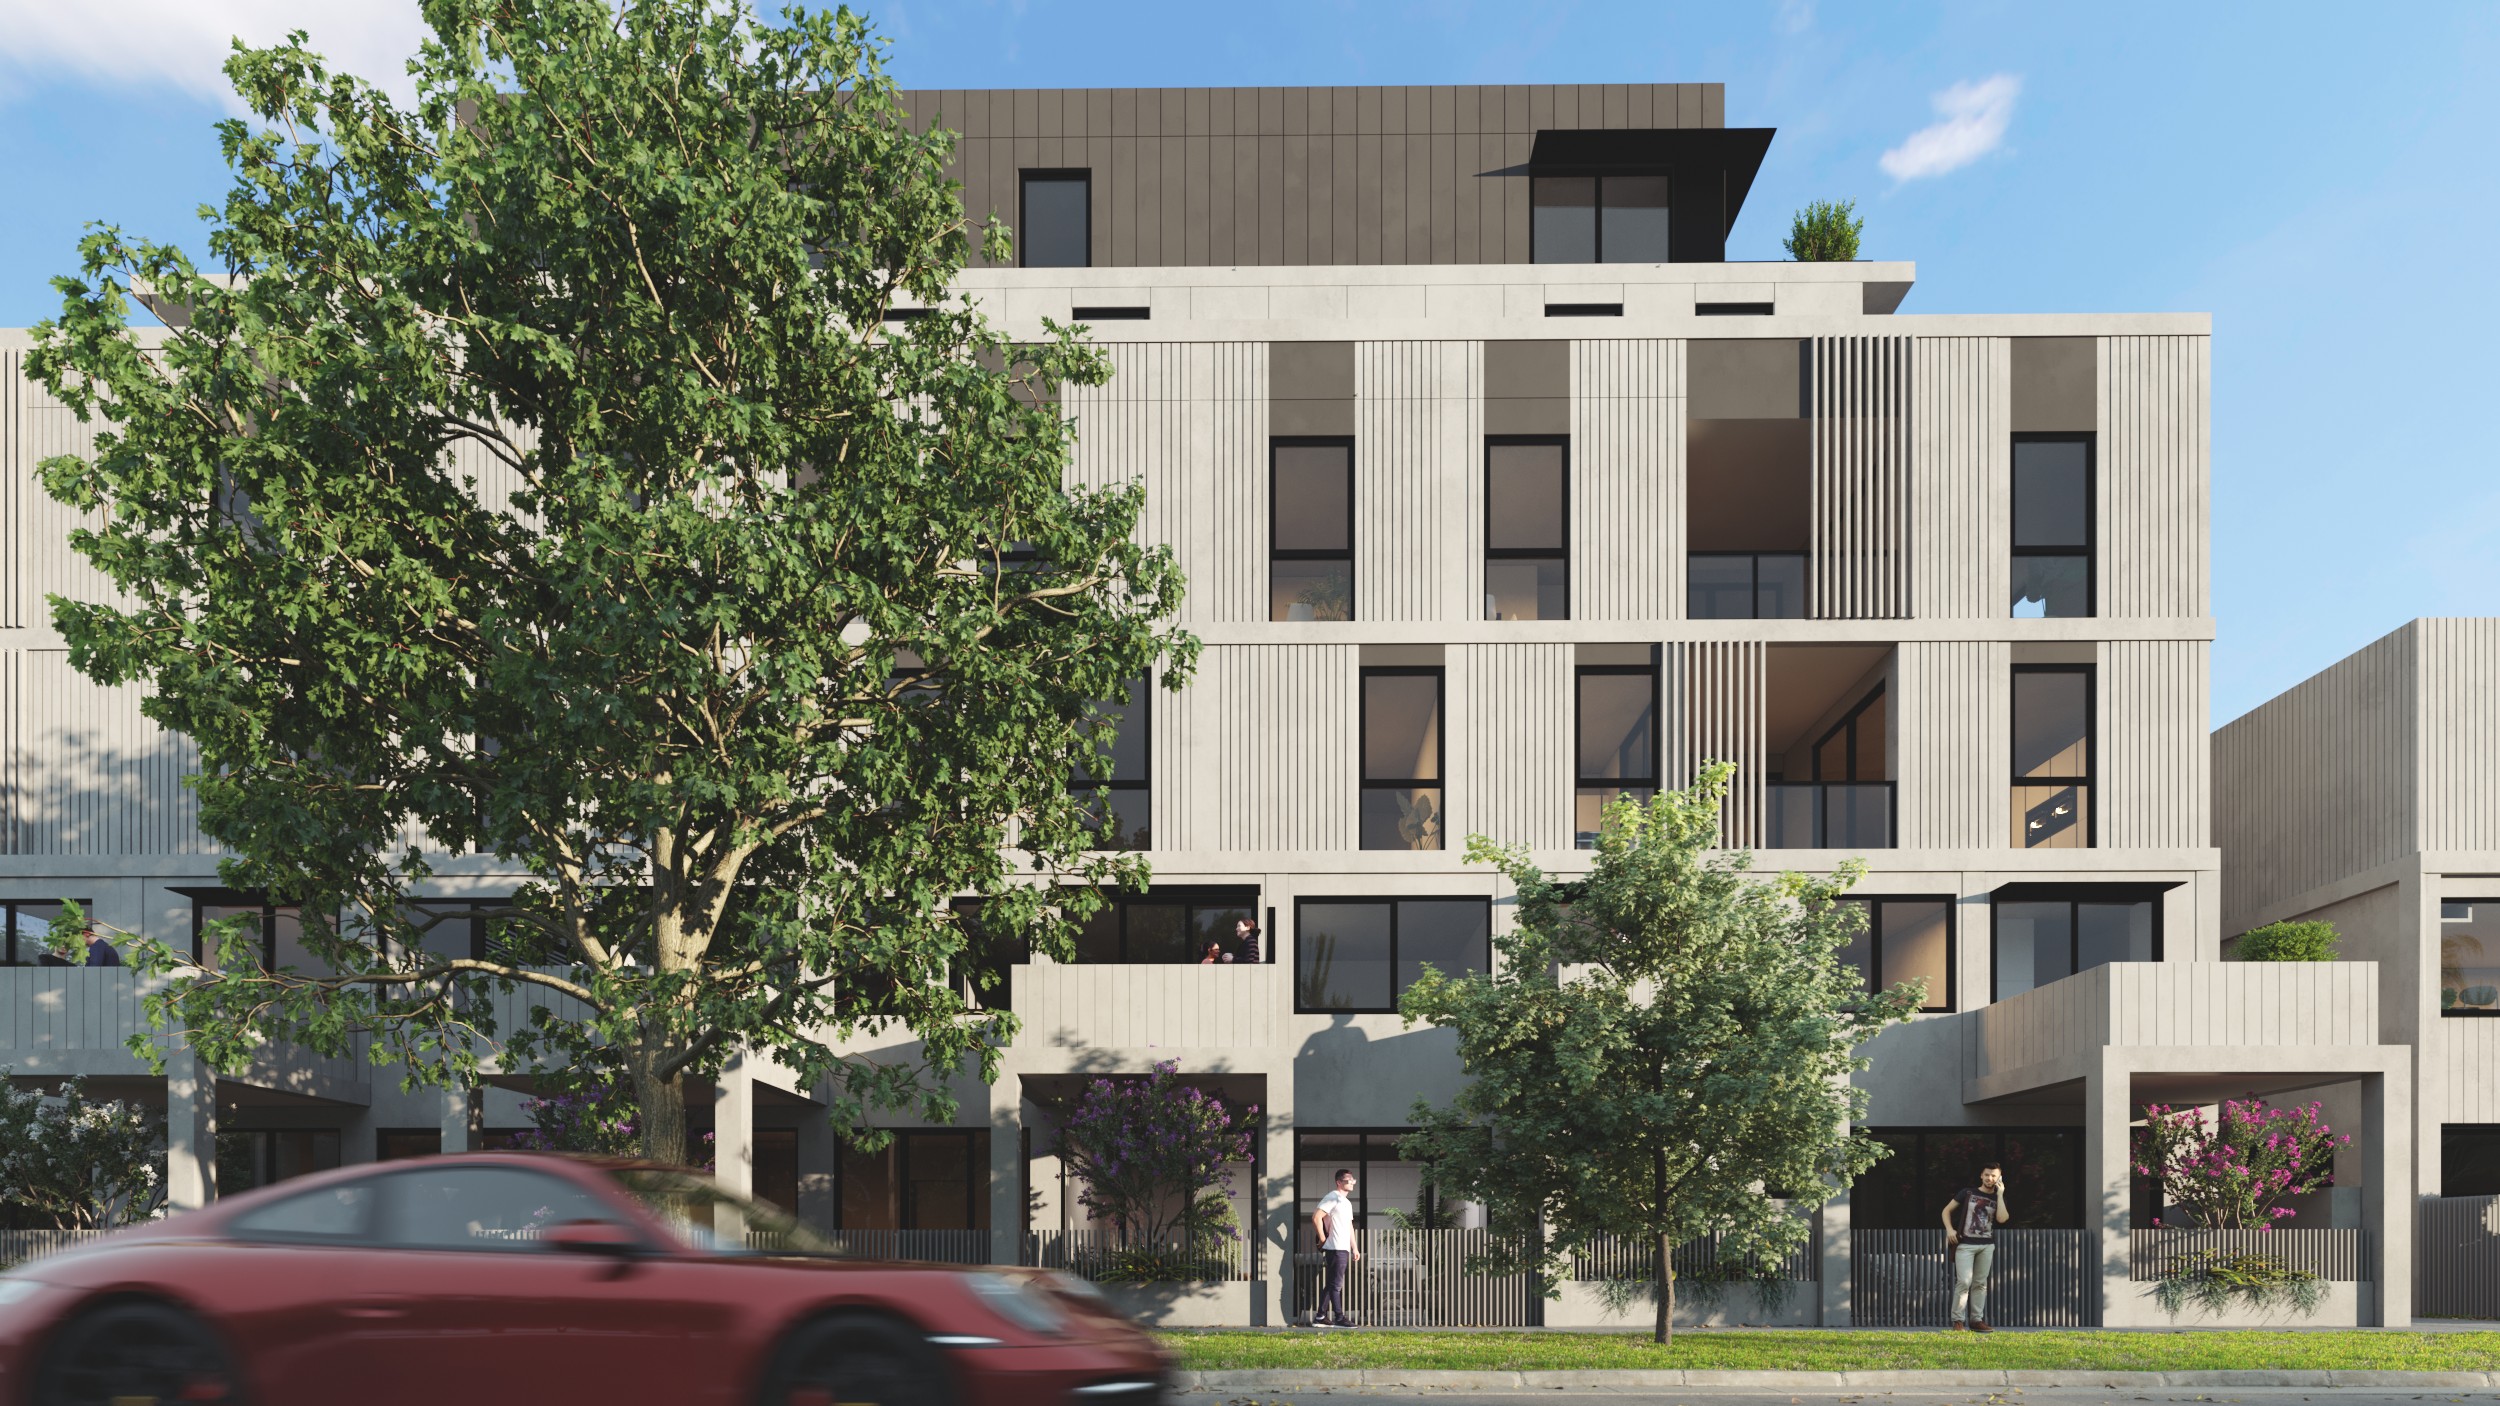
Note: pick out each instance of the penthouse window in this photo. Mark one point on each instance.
(1527, 506)
(2045, 935)
(2052, 784)
(1311, 529)
(1618, 742)
(1610, 219)
(1122, 799)
(2053, 558)
(2469, 956)
(1055, 229)
(1360, 954)
(1905, 939)
(1402, 757)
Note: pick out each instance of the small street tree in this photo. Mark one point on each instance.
(84, 1164)
(534, 473)
(1153, 1156)
(1661, 1052)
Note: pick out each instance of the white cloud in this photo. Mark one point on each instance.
(1795, 16)
(184, 44)
(1975, 116)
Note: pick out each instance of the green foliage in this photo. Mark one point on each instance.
(82, 1163)
(2289, 942)
(1154, 1157)
(1649, 1056)
(2212, 1279)
(1826, 231)
(532, 474)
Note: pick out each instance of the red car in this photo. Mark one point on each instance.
(517, 1278)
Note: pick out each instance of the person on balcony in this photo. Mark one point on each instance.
(1970, 1234)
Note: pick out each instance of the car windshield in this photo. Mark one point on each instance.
(704, 1217)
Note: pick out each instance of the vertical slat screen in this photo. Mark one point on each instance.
(1233, 446)
(1280, 751)
(2154, 467)
(1960, 485)
(1861, 452)
(1955, 743)
(1134, 428)
(16, 481)
(1627, 472)
(1722, 721)
(2042, 1279)
(2154, 789)
(2460, 733)
(1416, 448)
(89, 775)
(1510, 757)
(2456, 1258)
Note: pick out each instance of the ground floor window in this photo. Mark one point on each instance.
(1907, 1190)
(1388, 1190)
(253, 1157)
(924, 1179)
(2469, 1159)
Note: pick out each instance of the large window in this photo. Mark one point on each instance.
(1907, 1190)
(2052, 784)
(2469, 1159)
(463, 927)
(2469, 957)
(2043, 936)
(279, 930)
(1527, 509)
(932, 1179)
(1123, 803)
(1847, 803)
(1385, 1184)
(1172, 927)
(253, 1157)
(1906, 939)
(2052, 566)
(1402, 754)
(1745, 585)
(27, 927)
(1057, 228)
(1360, 954)
(1311, 529)
(1617, 219)
(1618, 742)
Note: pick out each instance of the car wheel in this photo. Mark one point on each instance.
(136, 1352)
(856, 1359)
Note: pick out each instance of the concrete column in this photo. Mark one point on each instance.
(1271, 1302)
(456, 1121)
(2387, 1201)
(2108, 1110)
(190, 1132)
(819, 1154)
(733, 1128)
(1835, 1253)
(1006, 1109)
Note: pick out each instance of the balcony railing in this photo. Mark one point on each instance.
(1745, 586)
(1827, 815)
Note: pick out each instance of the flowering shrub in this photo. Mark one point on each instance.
(2235, 1173)
(85, 1165)
(1150, 1155)
(590, 1114)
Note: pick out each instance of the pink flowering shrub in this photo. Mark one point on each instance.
(592, 1115)
(2235, 1173)
(1151, 1156)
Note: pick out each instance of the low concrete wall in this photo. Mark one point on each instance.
(1584, 1306)
(2342, 1305)
(1221, 1305)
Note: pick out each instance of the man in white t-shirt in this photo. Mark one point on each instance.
(1333, 1222)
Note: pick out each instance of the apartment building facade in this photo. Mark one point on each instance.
(1501, 493)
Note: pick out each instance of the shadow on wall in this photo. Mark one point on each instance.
(1347, 1076)
(85, 771)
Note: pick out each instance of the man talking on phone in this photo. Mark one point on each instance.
(1970, 1233)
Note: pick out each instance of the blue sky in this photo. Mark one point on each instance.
(2319, 178)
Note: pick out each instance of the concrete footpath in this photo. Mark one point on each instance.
(1400, 1379)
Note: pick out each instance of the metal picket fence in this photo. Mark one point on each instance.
(1093, 1254)
(2043, 1279)
(1614, 1257)
(2456, 1258)
(1423, 1279)
(925, 1246)
(19, 1246)
(2337, 1255)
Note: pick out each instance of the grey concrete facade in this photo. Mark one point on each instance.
(1875, 447)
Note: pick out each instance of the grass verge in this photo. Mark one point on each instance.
(1813, 1351)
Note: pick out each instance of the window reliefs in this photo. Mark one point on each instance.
(1311, 528)
(2051, 793)
(1403, 756)
(1618, 218)
(2053, 562)
(1527, 517)
(2048, 934)
(1906, 939)
(1055, 219)
(1615, 714)
(1360, 954)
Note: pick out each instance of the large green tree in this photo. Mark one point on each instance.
(534, 473)
(1662, 1051)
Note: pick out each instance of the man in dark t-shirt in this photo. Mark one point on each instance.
(1970, 1235)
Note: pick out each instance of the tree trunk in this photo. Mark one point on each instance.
(662, 1106)
(1665, 1331)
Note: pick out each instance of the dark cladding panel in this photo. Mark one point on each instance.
(1393, 197)
(1175, 201)
(1456, 153)
(1618, 105)
(1714, 104)
(1294, 181)
(1298, 112)
(1345, 198)
(1124, 112)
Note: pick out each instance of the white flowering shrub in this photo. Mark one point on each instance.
(84, 1164)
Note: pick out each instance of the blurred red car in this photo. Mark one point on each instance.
(516, 1278)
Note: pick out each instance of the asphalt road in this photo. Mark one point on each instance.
(2001, 1396)
(1903, 1397)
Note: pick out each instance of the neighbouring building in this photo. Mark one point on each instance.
(1501, 493)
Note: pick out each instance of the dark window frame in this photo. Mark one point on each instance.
(1440, 738)
(1597, 210)
(12, 955)
(2465, 1012)
(1657, 702)
(268, 923)
(2086, 783)
(1025, 176)
(1275, 554)
(1146, 744)
(1361, 1168)
(1562, 553)
(2073, 896)
(1875, 979)
(976, 1182)
(1928, 1214)
(1192, 897)
(1848, 724)
(1804, 576)
(1391, 902)
(2090, 551)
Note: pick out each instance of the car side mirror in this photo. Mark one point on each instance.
(591, 1237)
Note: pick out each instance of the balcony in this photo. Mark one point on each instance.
(1853, 815)
(1745, 585)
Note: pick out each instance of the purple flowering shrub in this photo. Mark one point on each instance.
(2234, 1173)
(590, 1114)
(1150, 1156)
